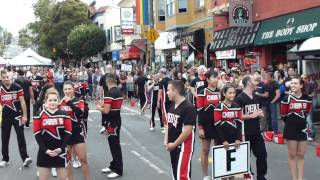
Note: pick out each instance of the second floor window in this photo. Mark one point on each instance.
(170, 7)
(161, 10)
(200, 3)
(182, 6)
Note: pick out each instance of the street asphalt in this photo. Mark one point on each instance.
(143, 154)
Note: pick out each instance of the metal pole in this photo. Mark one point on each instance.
(151, 18)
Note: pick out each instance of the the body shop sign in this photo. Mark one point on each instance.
(292, 27)
(127, 21)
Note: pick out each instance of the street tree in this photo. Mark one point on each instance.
(86, 40)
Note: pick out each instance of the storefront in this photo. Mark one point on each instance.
(191, 44)
(233, 45)
(131, 55)
(164, 49)
(276, 36)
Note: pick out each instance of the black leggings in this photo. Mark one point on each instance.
(27, 100)
(143, 101)
(7, 123)
(153, 113)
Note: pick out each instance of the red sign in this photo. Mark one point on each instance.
(140, 43)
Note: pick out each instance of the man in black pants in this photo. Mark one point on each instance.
(141, 84)
(111, 108)
(154, 87)
(14, 113)
(251, 109)
(28, 93)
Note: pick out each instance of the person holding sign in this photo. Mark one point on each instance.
(252, 112)
(179, 131)
(207, 99)
(294, 110)
(228, 120)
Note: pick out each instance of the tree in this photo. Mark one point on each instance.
(86, 40)
(55, 20)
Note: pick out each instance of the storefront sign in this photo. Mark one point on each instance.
(127, 21)
(292, 27)
(234, 38)
(140, 43)
(196, 38)
(240, 13)
(166, 40)
(185, 50)
(116, 55)
(227, 54)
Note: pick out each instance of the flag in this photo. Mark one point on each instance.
(142, 12)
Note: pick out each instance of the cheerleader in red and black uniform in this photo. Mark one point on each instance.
(207, 99)
(228, 117)
(294, 110)
(75, 109)
(52, 129)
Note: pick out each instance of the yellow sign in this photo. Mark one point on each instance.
(152, 35)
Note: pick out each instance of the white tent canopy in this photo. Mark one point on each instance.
(3, 61)
(30, 58)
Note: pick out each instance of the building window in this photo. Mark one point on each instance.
(200, 3)
(101, 26)
(109, 37)
(161, 10)
(182, 6)
(170, 7)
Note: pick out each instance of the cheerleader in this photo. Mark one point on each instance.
(228, 120)
(75, 109)
(154, 88)
(294, 110)
(52, 129)
(207, 99)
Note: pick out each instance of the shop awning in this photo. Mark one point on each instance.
(131, 53)
(234, 38)
(196, 38)
(291, 27)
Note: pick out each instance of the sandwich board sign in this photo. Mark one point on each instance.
(230, 162)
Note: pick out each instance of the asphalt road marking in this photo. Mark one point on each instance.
(149, 163)
(156, 158)
(137, 113)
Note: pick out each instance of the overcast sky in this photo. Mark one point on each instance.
(16, 14)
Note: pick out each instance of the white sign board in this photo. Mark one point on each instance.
(227, 54)
(127, 21)
(232, 161)
(126, 67)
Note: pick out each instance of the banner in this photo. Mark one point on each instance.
(142, 12)
(230, 162)
(240, 13)
(226, 54)
(127, 21)
(117, 33)
(126, 67)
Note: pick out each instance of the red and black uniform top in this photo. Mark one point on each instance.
(81, 89)
(178, 117)
(294, 112)
(199, 84)
(52, 131)
(36, 83)
(9, 99)
(228, 122)
(207, 101)
(114, 98)
(75, 110)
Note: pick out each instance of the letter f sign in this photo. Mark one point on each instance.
(229, 158)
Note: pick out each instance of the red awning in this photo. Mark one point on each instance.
(131, 53)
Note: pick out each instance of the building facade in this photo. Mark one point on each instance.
(278, 26)
(186, 23)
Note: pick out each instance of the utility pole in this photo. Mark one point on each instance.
(151, 18)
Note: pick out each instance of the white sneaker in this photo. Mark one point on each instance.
(27, 162)
(207, 178)
(54, 172)
(106, 170)
(151, 129)
(102, 130)
(38, 173)
(4, 163)
(76, 164)
(113, 175)
(162, 130)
